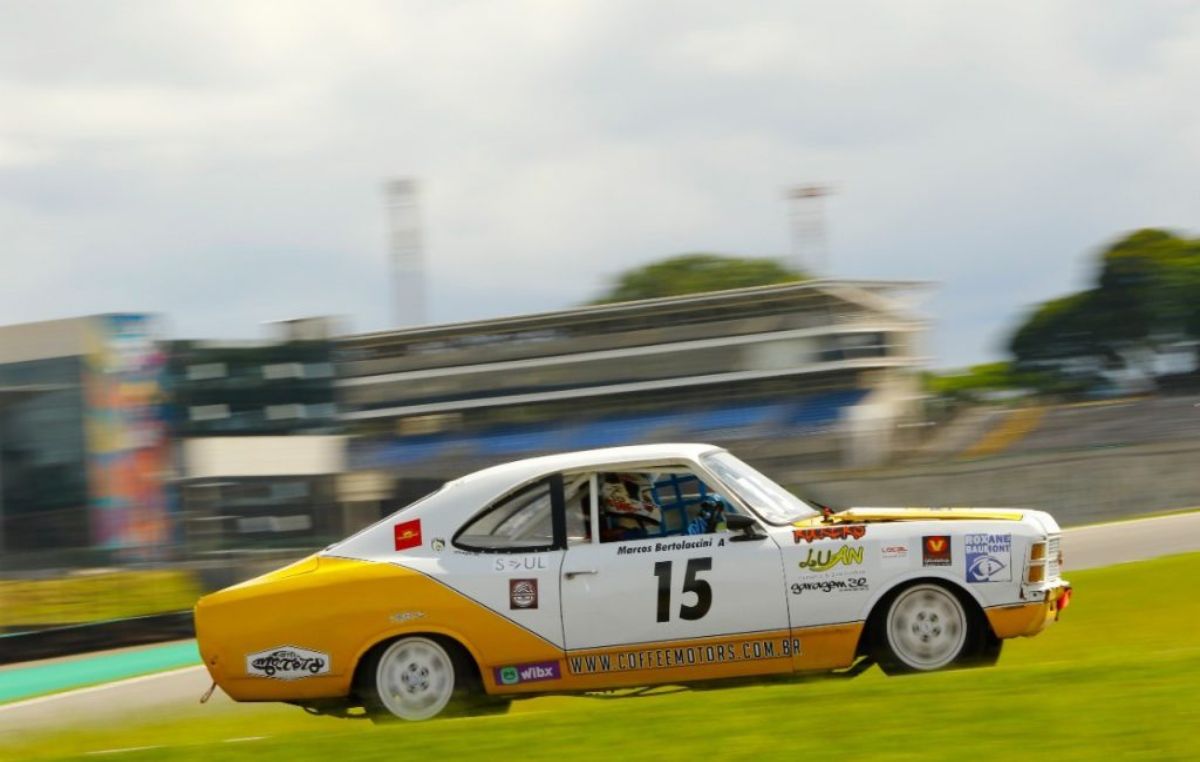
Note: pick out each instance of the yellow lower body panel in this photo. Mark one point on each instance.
(680, 661)
(340, 611)
(299, 634)
(1027, 619)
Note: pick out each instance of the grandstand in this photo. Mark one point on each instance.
(821, 371)
(1114, 423)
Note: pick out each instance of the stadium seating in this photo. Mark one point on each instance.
(739, 419)
(744, 421)
(514, 440)
(619, 430)
(823, 410)
(1114, 423)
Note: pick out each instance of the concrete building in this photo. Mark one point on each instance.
(282, 384)
(83, 443)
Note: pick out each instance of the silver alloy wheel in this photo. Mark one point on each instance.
(415, 678)
(926, 627)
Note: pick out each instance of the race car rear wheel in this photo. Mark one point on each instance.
(413, 678)
(924, 627)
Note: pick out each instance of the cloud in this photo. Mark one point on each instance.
(223, 162)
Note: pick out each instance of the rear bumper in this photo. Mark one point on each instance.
(1027, 619)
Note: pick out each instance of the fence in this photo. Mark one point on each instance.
(1078, 487)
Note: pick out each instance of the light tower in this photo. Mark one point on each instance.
(406, 255)
(810, 247)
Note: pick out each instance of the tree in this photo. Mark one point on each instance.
(979, 381)
(1060, 328)
(1147, 295)
(696, 273)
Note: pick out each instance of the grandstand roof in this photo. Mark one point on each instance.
(743, 340)
(876, 295)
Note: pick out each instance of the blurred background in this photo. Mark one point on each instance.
(272, 271)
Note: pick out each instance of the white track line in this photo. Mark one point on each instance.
(127, 748)
(96, 688)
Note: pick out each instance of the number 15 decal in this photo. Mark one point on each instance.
(691, 584)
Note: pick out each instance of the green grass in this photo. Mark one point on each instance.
(96, 596)
(1117, 676)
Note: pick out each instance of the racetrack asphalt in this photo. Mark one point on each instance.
(178, 692)
(1120, 542)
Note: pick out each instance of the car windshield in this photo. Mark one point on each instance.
(768, 499)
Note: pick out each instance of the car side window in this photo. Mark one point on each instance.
(520, 521)
(664, 503)
(577, 494)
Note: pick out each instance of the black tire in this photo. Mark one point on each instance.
(987, 652)
(417, 678)
(928, 626)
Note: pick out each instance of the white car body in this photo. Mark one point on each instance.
(781, 597)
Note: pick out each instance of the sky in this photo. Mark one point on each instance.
(222, 163)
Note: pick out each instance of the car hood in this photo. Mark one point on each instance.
(870, 515)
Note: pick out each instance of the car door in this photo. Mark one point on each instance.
(508, 556)
(672, 606)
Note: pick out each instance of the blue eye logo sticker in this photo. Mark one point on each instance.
(985, 569)
(989, 557)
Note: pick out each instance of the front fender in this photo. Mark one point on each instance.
(920, 574)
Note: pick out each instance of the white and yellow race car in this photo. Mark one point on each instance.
(622, 567)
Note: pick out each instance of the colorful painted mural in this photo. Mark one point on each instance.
(128, 453)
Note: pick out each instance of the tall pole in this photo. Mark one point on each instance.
(810, 246)
(405, 253)
(2, 527)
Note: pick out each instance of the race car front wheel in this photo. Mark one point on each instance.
(925, 627)
(413, 678)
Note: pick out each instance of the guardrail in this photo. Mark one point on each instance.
(54, 642)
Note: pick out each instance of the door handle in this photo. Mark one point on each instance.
(573, 573)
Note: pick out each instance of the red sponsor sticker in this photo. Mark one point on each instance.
(935, 550)
(408, 534)
(853, 532)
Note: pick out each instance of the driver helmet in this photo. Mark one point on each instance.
(714, 506)
(627, 501)
(710, 517)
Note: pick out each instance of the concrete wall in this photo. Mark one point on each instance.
(40, 341)
(215, 457)
(1078, 488)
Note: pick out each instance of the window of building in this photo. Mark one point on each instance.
(863, 345)
(283, 412)
(202, 371)
(318, 370)
(322, 410)
(281, 370)
(208, 412)
(254, 524)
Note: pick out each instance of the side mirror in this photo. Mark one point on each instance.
(737, 522)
